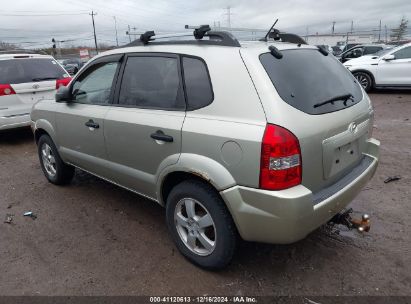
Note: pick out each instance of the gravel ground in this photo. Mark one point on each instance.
(93, 238)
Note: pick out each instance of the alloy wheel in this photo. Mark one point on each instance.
(49, 161)
(363, 80)
(195, 226)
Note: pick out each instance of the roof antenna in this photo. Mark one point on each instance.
(269, 31)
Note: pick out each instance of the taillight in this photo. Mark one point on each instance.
(6, 89)
(280, 166)
(62, 82)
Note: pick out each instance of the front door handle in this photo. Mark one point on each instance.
(92, 124)
(159, 135)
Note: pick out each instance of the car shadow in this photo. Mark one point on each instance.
(251, 257)
(391, 91)
(16, 136)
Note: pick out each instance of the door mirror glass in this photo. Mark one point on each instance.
(389, 57)
(63, 94)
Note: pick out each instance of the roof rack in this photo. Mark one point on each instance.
(215, 38)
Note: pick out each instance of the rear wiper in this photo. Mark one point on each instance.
(345, 98)
(44, 78)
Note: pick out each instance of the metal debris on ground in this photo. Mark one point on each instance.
(30, 214)
(9, 218)
(392, 179)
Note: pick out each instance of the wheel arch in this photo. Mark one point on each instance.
(44, 127)
(197, 167)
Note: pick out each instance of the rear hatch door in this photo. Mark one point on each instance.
(317, 99)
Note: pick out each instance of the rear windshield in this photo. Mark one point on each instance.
(305, 78)
(23, 70)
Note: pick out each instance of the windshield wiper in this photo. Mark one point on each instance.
(345, 98)
(44, 78)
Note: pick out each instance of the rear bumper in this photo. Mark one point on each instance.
(14, 121)
(286, 216)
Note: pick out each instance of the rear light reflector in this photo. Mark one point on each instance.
(280, 166)
(62, 82)
(6, 89)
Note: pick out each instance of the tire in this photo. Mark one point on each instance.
(55, 170)
(365, 80)
(220, 237)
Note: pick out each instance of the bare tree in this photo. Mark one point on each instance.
(399, 32)
(7, 46)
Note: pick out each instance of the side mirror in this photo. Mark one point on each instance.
(63, 95)
(388, 57)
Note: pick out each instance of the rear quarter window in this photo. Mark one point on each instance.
(22, 70)
(197, 83)
(305, 77)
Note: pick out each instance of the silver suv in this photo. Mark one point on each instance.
(264, 140)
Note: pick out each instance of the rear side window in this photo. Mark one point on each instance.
(197, 82)
(305, 78)
(152, 82)
(24, 70)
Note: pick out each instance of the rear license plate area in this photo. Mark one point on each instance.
(344, 156)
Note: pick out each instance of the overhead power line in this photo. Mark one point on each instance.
(42, 15)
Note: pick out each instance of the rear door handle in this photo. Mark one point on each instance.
(159, 135)
(92, 124)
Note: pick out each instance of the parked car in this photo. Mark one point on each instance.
(24, 80)
(349, 46)
(270, 155)
(72, 65)
(336, 50)
(326, 47)
(389, 68)
(361, 50)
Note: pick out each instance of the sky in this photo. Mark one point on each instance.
(33, 24)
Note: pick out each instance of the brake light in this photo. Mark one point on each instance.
(6, 89)
(62, 82)
(280, 166)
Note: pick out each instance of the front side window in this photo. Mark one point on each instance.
(197, 82)
(404, 53)
(95, 84)
(152, 82)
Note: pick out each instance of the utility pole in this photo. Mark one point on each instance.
(379, 33)
(128, 33)
(386, 33)
(228, 8)
(352, 26)
(94, 29)
(135, 29)
(333, 29)
(115, 26)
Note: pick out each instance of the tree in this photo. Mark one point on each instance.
(7, 46)
(398, 33)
